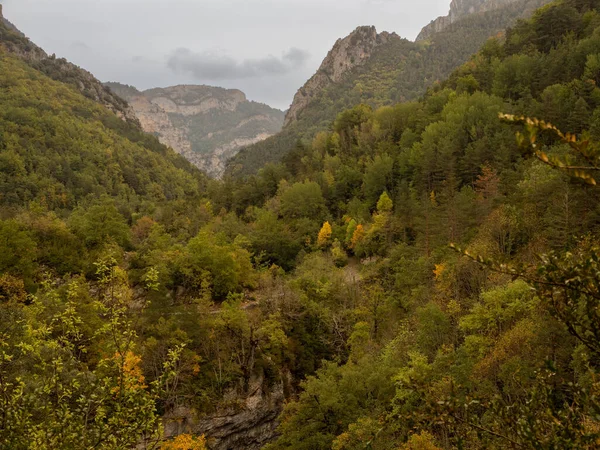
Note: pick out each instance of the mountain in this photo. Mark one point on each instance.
(422, 275)
(207, 125)
(59, 69)
(388, 70)
(65, 139)
(348, 53)
(447, 349)
(460, 9)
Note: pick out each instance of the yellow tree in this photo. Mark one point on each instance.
(358, 236)
(185, 442)
(324, 235)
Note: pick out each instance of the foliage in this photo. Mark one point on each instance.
(131, 288)
(185, 442)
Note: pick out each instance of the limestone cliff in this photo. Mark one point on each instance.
(347, 53)
(207, 125)
(458, 10)
(59, 69)
(245, 420)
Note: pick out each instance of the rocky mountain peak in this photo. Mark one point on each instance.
(347, 53)
(458, 10)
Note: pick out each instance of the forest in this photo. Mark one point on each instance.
(422, 275)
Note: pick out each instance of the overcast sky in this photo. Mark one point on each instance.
(267, 48)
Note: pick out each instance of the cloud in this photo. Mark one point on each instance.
(296, 56)
(213, 66)
(79, 45)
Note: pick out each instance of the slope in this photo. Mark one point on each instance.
(59, 148)
(399, 70)
(16, 43)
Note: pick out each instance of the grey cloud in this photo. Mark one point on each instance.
(213, 66)
(79, 45)
(296, 56)
(134, 51)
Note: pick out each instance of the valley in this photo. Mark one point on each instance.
(406, 259)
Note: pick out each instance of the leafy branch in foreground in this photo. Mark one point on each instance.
(568, 284)
(583, 150)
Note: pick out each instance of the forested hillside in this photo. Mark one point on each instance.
(432, 349)
(398, 71)
(73, 179)
(422, 275)
(16, 43)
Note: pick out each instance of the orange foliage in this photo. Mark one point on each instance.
(487, 184)
(439, 270)
(132, 372)
(141, 229)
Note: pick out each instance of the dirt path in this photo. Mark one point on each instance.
(352, 271)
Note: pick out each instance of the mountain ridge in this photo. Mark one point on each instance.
(397, 71)
(458, 10)
(347, 53)
(15, 42)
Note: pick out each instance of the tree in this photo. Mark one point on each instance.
(226, 267)
(17, 250)
(384, 204)
(100, 223)
(302, 200)
(185, 442)
(357, 236)
(324, 235)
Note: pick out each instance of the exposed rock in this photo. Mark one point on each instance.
(248, 422)
(348, 53)
(458, 10)
(207, 125)
(15, 42)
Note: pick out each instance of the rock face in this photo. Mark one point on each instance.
(458, 10)
(248, 423)
(352, 51)
(207, 125)
(15, 42)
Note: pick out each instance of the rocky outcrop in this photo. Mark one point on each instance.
(458, 10)
(348, 53)
(248, 422)
(207, 125)
(59, 69)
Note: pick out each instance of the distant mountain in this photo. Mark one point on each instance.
(15, 42)
(383, 69)
(460, 9)
(208, 125)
